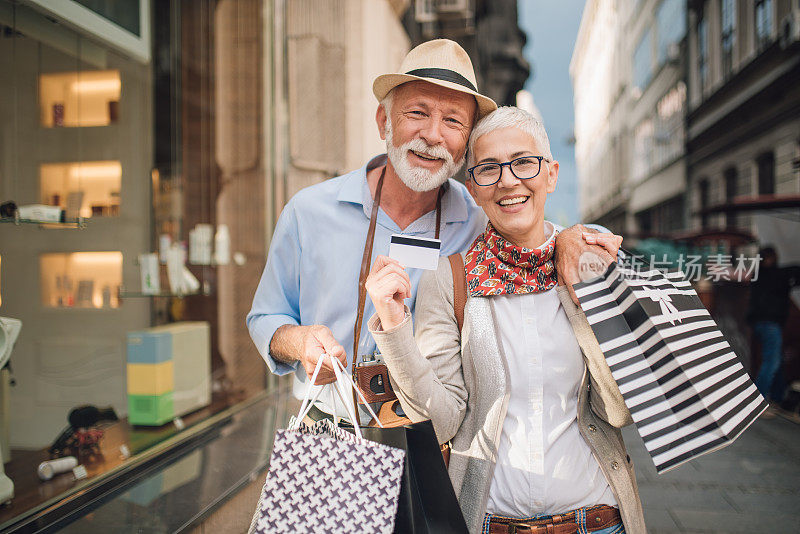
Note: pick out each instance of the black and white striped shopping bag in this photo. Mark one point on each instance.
(687, 391)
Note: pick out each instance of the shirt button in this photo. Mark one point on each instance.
(615, 465)
(537, 407)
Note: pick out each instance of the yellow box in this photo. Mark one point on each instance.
(150, 378)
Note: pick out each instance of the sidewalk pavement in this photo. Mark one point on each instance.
(750, 486)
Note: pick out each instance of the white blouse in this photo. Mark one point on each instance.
(543, 463)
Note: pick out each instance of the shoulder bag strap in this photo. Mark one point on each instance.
(459, 288)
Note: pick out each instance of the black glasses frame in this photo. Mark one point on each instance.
(510, 168)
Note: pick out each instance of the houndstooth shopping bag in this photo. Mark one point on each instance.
(324, 479)
(318, 484)
(686, 390)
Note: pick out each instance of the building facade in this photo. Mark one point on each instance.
(628, 80)
(489, 32)
(744, 115)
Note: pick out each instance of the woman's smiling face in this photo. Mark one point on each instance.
(515, 207)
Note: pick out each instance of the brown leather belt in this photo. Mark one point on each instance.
(597, 518)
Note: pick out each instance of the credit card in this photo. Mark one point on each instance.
(417, 252)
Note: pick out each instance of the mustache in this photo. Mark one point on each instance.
(434, 151)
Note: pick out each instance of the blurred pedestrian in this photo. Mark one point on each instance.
(767, 314)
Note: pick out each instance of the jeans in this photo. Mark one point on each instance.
(614, 529)
(769, 335)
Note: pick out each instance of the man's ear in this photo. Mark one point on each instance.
(552, 176)
(380, 119)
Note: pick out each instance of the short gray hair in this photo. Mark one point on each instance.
(510, 117)
(386, 102)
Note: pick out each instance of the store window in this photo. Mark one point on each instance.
(764, 22)
(662, 219)
(642, 62)
(671, 25)
(728, 25)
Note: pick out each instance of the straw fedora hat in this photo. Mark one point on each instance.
(442, 62)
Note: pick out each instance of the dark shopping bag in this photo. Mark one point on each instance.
(427, 502)
(323, 479)
(687, 391)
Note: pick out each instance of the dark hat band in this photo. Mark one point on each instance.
(445, 75)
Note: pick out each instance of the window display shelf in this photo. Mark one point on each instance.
(79, 222)
(166, 294)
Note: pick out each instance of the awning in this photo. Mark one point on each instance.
(754, 203)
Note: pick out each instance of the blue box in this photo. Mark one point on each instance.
(149, 347)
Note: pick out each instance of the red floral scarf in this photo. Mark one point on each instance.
(495, 266)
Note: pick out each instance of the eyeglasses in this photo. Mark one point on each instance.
(523, 168)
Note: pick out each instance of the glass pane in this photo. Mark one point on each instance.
(123, 13)
(642, 64)
(671, 21)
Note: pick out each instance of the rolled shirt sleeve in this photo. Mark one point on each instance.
(277, 299)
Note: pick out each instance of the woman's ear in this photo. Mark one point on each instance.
(552, 176)
(470, 187)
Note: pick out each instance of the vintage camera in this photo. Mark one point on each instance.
(372, 378)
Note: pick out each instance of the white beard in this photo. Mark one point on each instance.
(417, 178)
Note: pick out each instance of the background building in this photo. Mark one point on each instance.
(489, 32)
(628, 79)
(744, 118)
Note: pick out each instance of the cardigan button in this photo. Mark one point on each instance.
(615, 465)
(592, 428)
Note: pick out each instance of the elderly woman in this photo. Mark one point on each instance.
(522, 391)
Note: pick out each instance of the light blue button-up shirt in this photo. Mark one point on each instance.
(311, 275)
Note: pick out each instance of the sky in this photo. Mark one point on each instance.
(551, 28)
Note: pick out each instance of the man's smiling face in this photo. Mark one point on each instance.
(426, 132)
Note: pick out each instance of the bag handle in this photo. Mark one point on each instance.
(308, 402)
(341, 378)
(459, 288)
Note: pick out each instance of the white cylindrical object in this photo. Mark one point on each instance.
(50, 468)
(41, 213)
(150, 274)
(222, 245)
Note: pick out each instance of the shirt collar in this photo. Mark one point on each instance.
(356, 190)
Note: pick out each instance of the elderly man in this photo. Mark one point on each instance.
(307, 301)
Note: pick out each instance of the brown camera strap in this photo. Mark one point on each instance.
(366, 260)
(459, 288)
